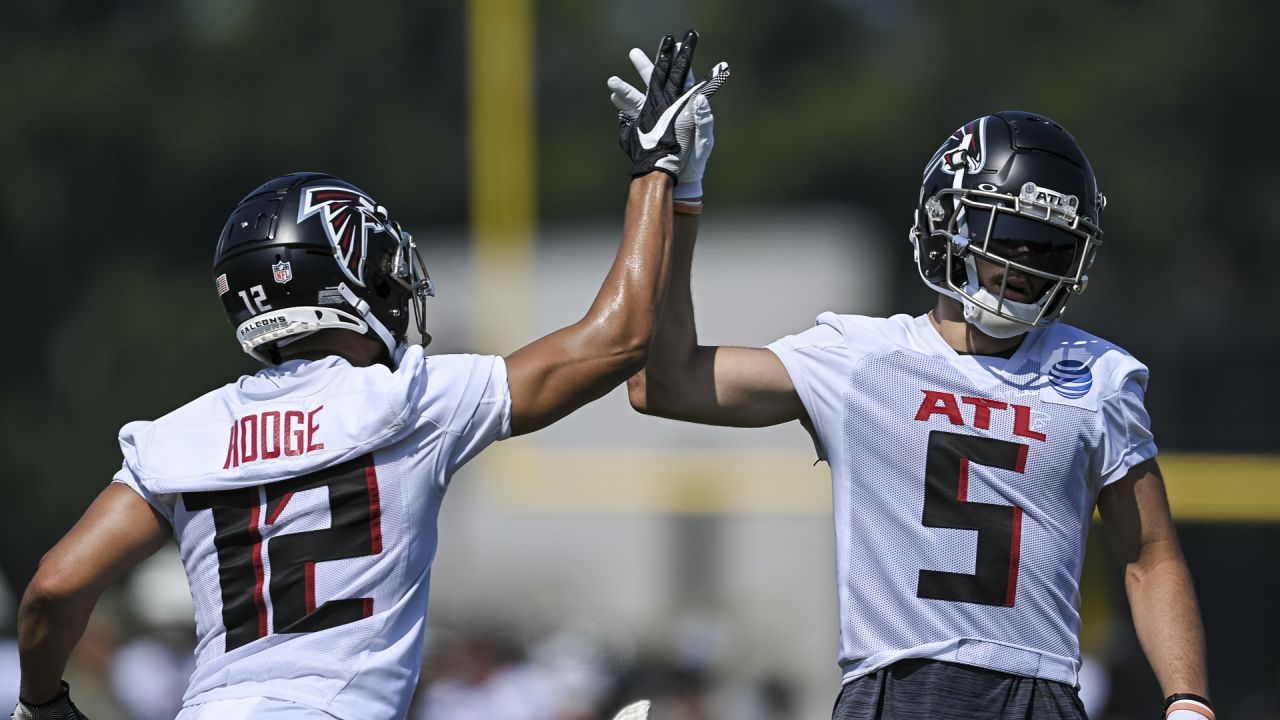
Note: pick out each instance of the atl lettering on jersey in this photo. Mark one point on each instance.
(937, 402)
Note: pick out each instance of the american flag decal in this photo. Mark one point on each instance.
(347, 217)
(223, 287)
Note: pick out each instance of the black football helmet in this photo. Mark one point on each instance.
(308, 252)
(1014, 189)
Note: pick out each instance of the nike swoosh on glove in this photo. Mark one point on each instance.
(695, 124)
(653, 137)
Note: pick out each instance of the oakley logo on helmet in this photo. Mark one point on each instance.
(347, 217)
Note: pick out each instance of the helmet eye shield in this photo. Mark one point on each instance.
(1026, 236)
(1028, 243)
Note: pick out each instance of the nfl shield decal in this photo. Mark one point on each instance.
(1070, 378)
(282, 271)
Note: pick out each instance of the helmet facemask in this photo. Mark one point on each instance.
(410, 273)
(1037, 233)
(1007, 221)
(413, 285)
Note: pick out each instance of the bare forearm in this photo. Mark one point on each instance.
(117, 532)
(556, 374)
(48, 630)
(675, 340)
(626, 308)
(1167, 621)
(734, 386)
(1135, 511)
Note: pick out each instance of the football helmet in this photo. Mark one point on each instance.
(1016, 190)
(307, 252)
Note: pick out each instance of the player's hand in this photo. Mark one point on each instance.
(1185, 706)
(59, 708)
(695, 122)
(661, 126)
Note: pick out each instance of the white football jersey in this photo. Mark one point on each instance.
(304, 502)
(964, 486)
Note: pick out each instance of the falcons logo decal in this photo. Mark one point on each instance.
(347, 217)
(965, 150)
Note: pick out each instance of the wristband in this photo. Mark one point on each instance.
(687, 189)
(59, 708)
(687, 207)
(1189, 702)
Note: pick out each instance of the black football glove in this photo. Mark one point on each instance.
(694, 125)
(651, 137)
(59, 708)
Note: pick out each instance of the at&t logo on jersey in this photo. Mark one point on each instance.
(1071, 379)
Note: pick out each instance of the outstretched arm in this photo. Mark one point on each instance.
(553, 375)
(1135, 511)
(118, 531)
(683, 380)
(736, 386)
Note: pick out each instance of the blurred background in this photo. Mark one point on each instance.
(612, 556)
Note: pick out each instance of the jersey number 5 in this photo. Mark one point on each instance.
(355, 531)
(999, 527)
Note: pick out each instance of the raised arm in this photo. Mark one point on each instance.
(1135, 511)
(556, 374)
(735, 386)
(683, 380)
(118, 531)
(553, 375)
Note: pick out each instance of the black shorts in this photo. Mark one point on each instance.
(916, 689)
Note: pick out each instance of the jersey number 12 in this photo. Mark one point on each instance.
(355, 531)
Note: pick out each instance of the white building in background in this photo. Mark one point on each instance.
(709, 545)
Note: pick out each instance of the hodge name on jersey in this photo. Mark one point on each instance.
(304, 502)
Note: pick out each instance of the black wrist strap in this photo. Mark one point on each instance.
(1187, 696)
(63, 693)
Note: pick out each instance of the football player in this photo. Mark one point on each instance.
(968, 446)
(304, 498)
